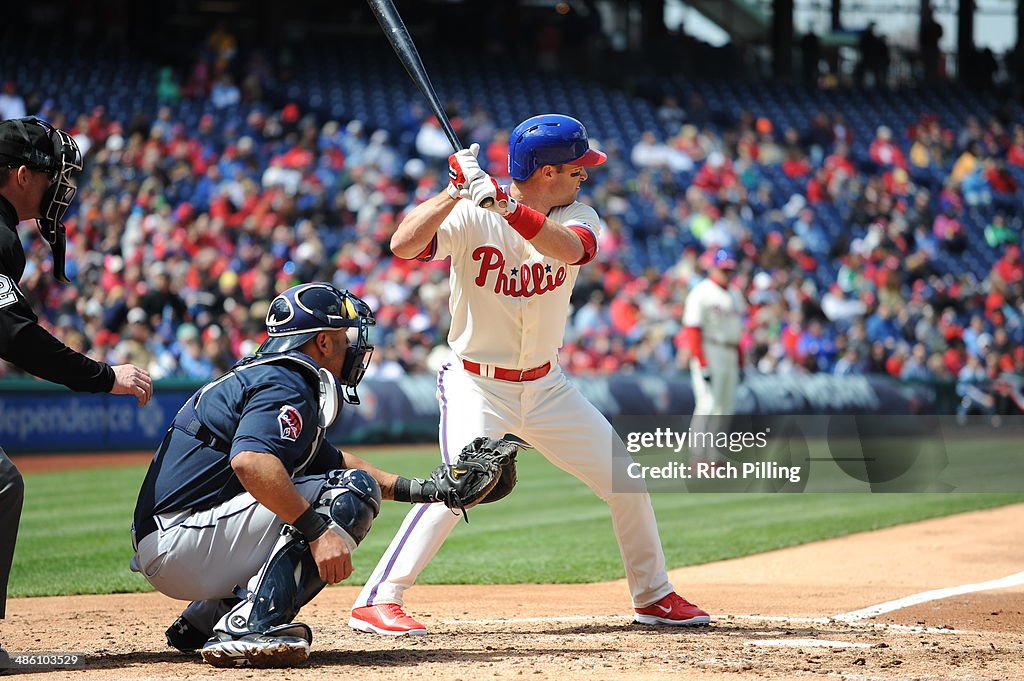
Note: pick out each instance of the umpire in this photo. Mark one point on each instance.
(37, 165)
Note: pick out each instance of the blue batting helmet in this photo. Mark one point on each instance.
(549, 139)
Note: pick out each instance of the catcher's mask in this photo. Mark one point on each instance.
(303, 311)
(37, 145)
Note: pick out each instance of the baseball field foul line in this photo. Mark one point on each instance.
(908, 628)
(927, 596)
(718, 619)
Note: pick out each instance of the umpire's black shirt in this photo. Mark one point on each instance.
(23, 342)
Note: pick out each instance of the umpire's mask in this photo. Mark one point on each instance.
(303, 311)
(37, 145)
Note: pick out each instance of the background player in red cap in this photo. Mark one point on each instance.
(513, 266)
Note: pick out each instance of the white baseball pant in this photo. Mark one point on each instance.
(553, 417)
(713, 398)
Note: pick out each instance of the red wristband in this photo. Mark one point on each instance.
(526, 221)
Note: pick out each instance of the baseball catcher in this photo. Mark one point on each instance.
(248, 511)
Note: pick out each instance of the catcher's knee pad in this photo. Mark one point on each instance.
(352, 500)
(286, 582)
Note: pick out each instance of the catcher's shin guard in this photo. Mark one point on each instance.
(286, 582)
(259, 631)
(290, 578)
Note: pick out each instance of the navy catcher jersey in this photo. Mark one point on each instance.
(270, 408)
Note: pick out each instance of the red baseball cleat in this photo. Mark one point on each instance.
(387, 618)
(673, 610)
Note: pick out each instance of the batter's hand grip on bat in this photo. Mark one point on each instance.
(486, 202)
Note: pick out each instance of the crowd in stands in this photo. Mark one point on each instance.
(898, 255)
(906, 300)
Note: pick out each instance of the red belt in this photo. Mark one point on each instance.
(516, 375)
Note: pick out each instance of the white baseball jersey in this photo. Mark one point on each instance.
(717, 311)
(509, 307)
(509, 303)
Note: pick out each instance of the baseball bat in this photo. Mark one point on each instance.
(398, 35)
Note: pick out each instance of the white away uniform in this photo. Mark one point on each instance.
(509, 305)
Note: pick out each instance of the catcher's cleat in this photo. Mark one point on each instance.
(673, 610)
(183, 636)
(387, 618)
(283, 646)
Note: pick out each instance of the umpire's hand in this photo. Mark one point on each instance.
(332, 557)
(131, 380)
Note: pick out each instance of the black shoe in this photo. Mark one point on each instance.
(184, 637)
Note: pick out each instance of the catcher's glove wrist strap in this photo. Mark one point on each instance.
(415, 490)
(311, 524)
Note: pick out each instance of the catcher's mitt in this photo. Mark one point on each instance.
(482, 464)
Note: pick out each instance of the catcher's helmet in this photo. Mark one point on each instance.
(549, 139)
(303, 311)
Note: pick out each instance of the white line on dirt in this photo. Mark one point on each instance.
(908, 628)
(532, 620)
(782, 618)
(805, 643)
(927, 596)
(715, 619)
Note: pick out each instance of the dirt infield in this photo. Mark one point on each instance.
(760, 603)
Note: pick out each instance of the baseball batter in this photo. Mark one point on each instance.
(513, 266)
(713, 321)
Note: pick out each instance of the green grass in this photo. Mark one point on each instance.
(74, 535)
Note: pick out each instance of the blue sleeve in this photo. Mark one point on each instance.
(327, 459)
(278, 420)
